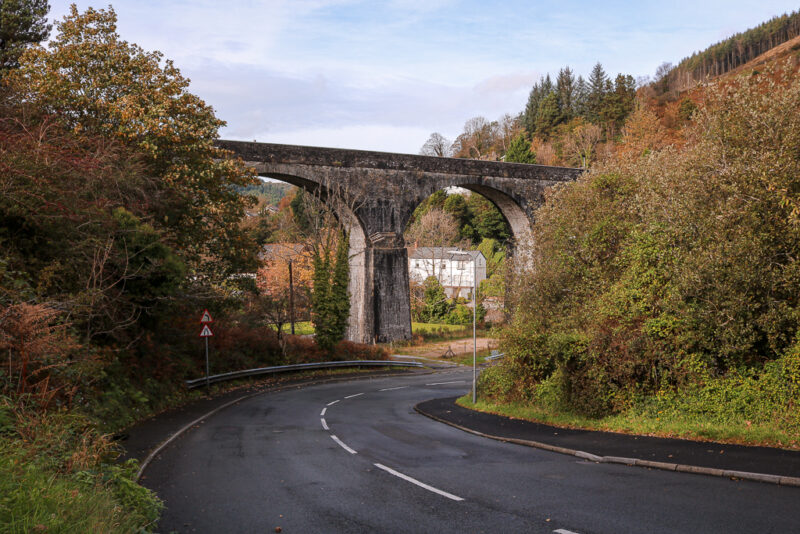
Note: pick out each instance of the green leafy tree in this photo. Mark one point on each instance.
(22, 23)
(436, 304)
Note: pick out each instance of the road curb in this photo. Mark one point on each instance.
(683, 468)
(162, 445)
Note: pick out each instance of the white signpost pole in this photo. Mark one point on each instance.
(208, 384)
(207, 333)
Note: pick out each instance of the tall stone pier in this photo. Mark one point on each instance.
(376, 194)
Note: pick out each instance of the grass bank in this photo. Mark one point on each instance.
(57, 474)
(663, 417)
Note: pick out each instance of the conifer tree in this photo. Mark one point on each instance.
(598, 87)
(22, 23)
(548, 115)
(340, 300)
(519, 151)
(566, 89)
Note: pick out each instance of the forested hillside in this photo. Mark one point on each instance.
(729, 54)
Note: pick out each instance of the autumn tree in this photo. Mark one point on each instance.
(581, 142)
(94, 83)
(477, 140)
(642, 134)
(435, 228)
(22, 23)
(282, 297)
(437, 145)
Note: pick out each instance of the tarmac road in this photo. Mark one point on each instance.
(355, 457)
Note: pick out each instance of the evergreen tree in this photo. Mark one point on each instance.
(548, 115)
(22, 23)
(539, 91)
(437, 305)
(566, 89)
(456, 206)
(598, 87)
(581, 97)
(519, 151)
(339, 296)
(330, 302)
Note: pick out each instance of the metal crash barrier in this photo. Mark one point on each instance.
(197, 382)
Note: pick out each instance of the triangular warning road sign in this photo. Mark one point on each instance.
(206, 318)
(206, 331)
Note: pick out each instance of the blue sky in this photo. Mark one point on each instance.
(384, 75)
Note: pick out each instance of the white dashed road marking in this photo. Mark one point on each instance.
(418, 483)
(324, 424)
(442, 383)
(322, 413)
(562, 531)
(345, 447)
(356, 395)
(332, 403)
(392, 389)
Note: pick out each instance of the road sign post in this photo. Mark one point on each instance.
(207, 333)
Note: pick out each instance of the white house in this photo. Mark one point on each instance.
(453, 267)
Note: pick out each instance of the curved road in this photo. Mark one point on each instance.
(355, 457)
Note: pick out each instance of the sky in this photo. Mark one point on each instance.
(384, 75)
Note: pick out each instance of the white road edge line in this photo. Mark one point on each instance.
(332, 403)
(345, 447)
(563, 531)
(356, 395)
(392, 389)
(322, 413)
(418, 483)
(442, 383)
(324, 424)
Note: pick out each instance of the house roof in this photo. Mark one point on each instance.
(444, 253)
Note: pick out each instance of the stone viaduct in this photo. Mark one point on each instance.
(379, 192)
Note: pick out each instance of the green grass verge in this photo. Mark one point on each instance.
(664, 424)
(433, 328)
(302, 328)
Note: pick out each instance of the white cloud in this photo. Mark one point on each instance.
(384, 75)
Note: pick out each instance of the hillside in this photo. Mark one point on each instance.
(731, 54)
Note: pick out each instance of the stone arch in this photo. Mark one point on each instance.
(519, 219)
(360, 326)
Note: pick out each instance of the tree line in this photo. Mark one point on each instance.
(565, 122)
(728, 54)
